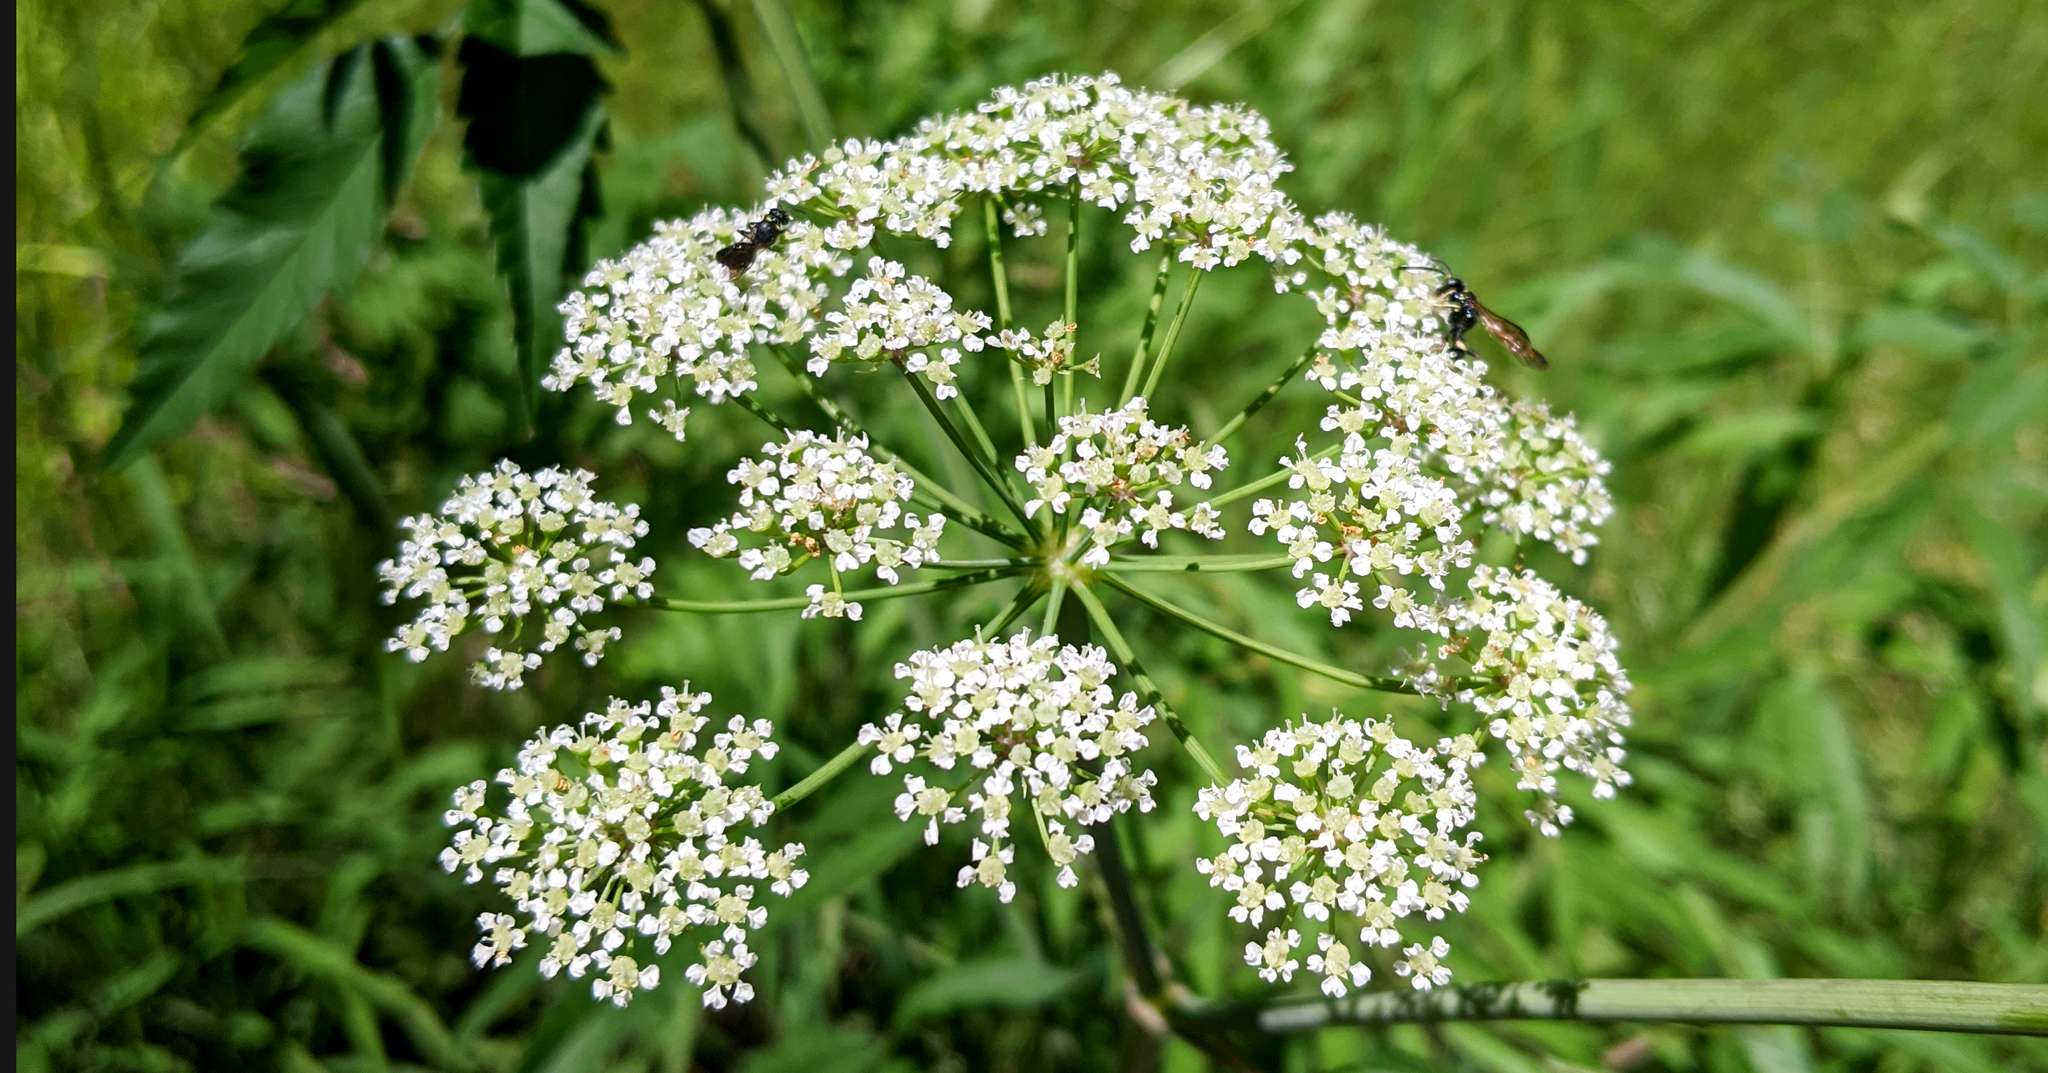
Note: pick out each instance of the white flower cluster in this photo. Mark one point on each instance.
(1531, 473)
(1049, 353)
(1389, 332)
(887, 315)
(509, 547)
(1347, 817)
(1376, 513)
(624, 828)
(1023, 715)
(1552, 684)
(1201, 177)
(667, 314)
(1121, 467)
(1547, 482)
(819, 497)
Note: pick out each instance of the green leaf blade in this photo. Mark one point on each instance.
(533, 99)
(298, 224)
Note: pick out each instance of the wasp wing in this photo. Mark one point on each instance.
(1512, 337)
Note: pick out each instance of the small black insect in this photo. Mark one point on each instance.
(1467, 312)
(757, 236)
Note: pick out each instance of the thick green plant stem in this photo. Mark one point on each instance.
(1180, 318)
(981, 438)
(1140, 960)
(1121, 648)
(1933, 1005)
(1151, 325)
(1151, 975)
(826, 772)
(1266, 396)
(1050, 624)
(790, 603)
(1381, 683)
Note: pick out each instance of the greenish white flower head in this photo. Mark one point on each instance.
(1117, 471)
(826, 498)
(1550, 680)
(1365, 513)
(620, 836)
(1022, 717)
(889, 316)
(668, 322)
(1348, 825)
(526, 558)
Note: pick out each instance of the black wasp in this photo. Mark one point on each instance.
(758, 236)
(1467, 312)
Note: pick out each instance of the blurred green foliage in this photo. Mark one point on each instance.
(1790, 262)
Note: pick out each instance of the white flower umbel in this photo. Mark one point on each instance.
(1347, 824)
(1046, 354)
(667, 320)
(1550, 679)
(819, 497)
(623, 833)
(1386, 345)
(1370, 511)
(1547, 482)
(1341, 832)
(1117, 469)
(1202, 178)
(887, 316)
(1389, 353)
(526, 557)
(1023, 716)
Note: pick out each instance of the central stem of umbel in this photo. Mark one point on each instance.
(1405, 504)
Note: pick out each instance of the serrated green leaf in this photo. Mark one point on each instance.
(297, 225)
(275, 42)
(539, 227)
(540, 27)
(532, 99)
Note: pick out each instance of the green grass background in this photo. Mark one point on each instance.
(1789, 260)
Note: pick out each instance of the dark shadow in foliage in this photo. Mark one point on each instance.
(533, 99)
